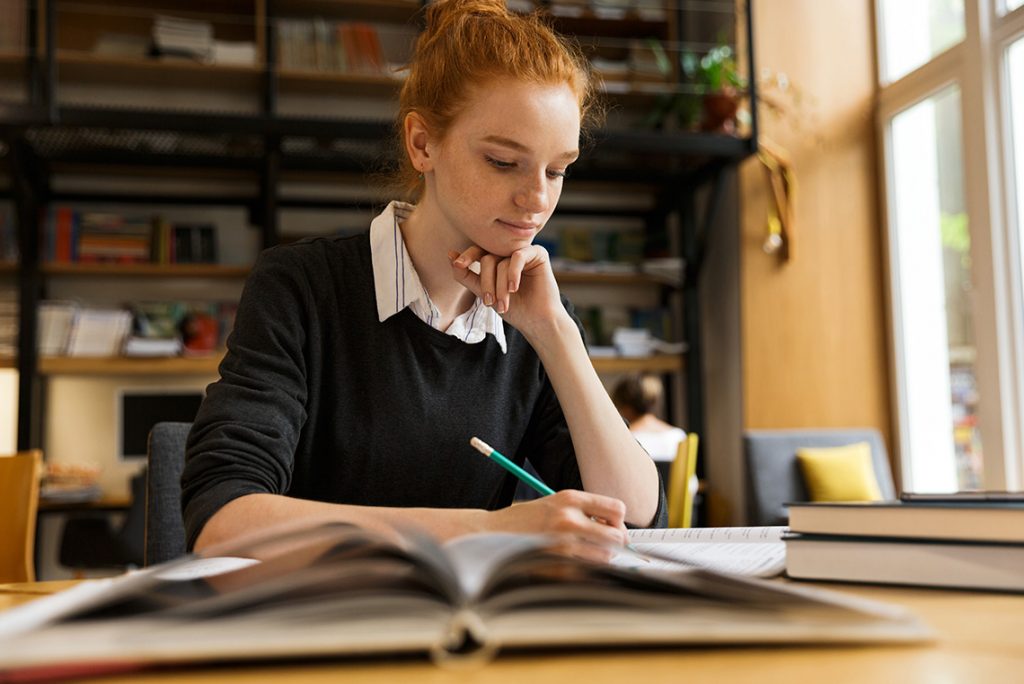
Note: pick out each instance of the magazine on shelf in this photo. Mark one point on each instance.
(337, 590)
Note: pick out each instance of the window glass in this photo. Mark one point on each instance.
(915, 31)
(1013, 4)
(934, 326)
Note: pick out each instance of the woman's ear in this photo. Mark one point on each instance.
(417, 142)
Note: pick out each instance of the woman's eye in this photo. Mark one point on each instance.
(498, 164)
(558, 173)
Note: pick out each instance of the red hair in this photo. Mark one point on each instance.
(468, 43)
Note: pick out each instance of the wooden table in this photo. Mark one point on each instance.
(980, 639)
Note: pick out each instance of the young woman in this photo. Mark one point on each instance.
(636, 397)
(360, 367)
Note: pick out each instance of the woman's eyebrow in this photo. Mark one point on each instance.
(519, 147)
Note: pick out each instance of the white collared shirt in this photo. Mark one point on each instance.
(398, 285)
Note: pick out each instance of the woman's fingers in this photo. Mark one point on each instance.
(589, 517)
(488, 272)
(462, 274)
(501, 289)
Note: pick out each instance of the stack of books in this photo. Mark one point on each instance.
(972, 540)
(183, 38)
(8, 322)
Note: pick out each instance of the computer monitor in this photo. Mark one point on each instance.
(138, 410)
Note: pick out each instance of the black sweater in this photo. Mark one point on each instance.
(319, 400)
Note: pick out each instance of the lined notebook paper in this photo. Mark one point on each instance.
(748, 551)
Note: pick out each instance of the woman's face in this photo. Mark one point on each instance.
(498, 173)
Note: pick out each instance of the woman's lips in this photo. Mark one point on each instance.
(519, 228)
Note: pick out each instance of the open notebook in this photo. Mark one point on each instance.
(335, 590)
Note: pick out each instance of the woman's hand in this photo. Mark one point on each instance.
(521, 287)
(589, 525)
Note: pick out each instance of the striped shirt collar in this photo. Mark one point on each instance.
(398, 285)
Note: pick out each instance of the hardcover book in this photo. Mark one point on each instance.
(336, 590)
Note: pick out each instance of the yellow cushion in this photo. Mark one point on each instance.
(842, 473)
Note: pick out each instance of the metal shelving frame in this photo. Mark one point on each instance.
(694, 159)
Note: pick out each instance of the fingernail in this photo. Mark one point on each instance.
(453, 255)
(511, 286)
(501, 307)
(460, 262)
(488, 299)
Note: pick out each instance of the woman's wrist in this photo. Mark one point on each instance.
(548, 332)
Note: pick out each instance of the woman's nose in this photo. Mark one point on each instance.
(533, 196)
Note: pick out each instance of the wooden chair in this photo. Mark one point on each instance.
(682, 483)
(19, 502)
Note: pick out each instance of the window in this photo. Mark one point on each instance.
(1015, 71)
(931, 240)
(951, 112)
(914, 31)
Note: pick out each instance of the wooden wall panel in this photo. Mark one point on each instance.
(813, 345)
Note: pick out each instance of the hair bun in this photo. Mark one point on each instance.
(443, 14)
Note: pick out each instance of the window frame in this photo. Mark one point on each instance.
(978, 66)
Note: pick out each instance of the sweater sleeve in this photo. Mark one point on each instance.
(548, 444)
(245, 434)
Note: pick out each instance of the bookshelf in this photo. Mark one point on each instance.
(102, 270)
(86, 67)
(267, 128)
(207, 365)
(120, 365)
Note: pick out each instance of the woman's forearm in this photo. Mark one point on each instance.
(255, 512)
(610, 459)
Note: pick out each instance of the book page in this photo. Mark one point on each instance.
(747, 551)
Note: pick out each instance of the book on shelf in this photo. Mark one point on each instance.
(336, 590)
(343, 47)
(992, 521)
(9, 307)
(961, 564)
(71, 236)
(233, 53)
(98, 332)
(183, 243)
(55, 321)
(176, 37)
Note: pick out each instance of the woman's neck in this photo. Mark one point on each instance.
(649, 423)
(429, 238)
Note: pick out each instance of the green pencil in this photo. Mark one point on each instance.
(496, 456)
(502, 460)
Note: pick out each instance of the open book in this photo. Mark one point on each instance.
(336, 590)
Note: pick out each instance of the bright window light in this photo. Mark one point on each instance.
(917, 30)
(934, 327)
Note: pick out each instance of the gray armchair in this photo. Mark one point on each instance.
(773, 474)
(165, 529)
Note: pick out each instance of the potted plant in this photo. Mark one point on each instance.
(713, 89)
(720, 84)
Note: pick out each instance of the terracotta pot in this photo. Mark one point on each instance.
(720, 111)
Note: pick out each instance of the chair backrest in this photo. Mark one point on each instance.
(132, 535)
(165, 529)
(19, 503)
(773, 474)
(682, 486)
